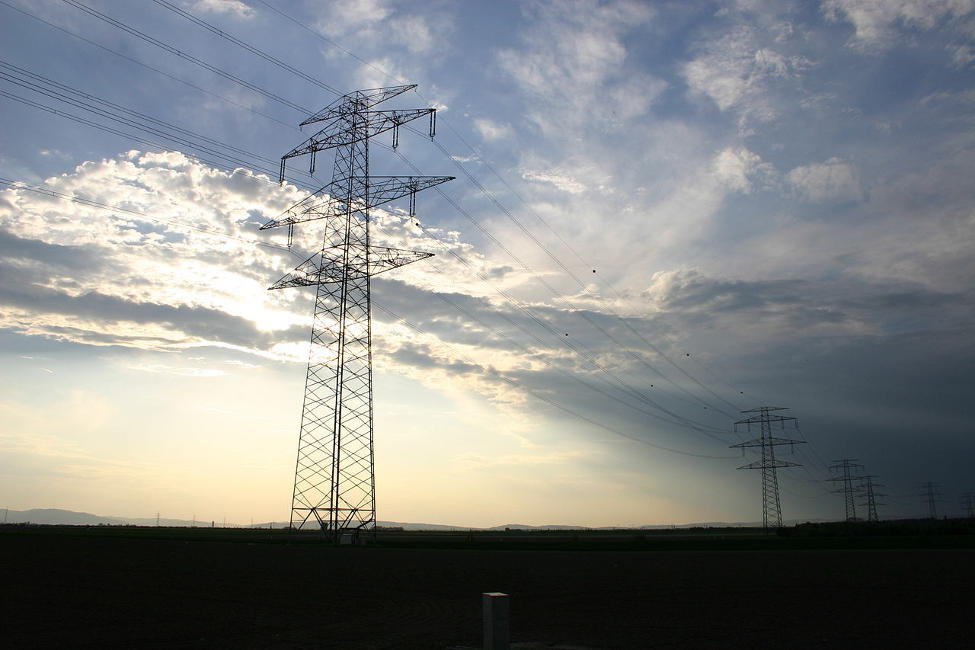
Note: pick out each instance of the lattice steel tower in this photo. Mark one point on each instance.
(931, 494)
(869, 489)
(849, 467)
(771, 506)
(335, 480)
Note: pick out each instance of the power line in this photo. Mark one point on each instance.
(145, 65)
(528, 233)
(678, 419)
(23, 72)
(558, 405)
(192, 59)
(258, 52)
(250, 48)
(559, 295)
(695, 426)
(147, 124)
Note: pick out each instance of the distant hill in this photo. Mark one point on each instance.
(69, 517)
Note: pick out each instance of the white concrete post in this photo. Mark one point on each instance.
(496, 634)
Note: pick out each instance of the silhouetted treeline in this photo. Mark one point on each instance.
(893, 528)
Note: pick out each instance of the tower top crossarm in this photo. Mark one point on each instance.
(337, 131)
(359, 100)
(763, 409)
(763, 416)
(755, 419)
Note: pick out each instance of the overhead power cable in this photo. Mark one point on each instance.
(546, 326)
(521, 226)
(250, 48)
(147, 66)
(21, 73)
(562, 407)
(266, 177)
(192, 59)
(135, 119)
(293, 70)
(207, 66)
(558, 294)
(674, 418)
(125, 121)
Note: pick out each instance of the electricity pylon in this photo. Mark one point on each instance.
(771, 506)
(931, 494)
(870, 494)
(335, 480)
(849, 478)
(968, 503)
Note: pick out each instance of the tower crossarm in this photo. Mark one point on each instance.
(358, 100)
(319, 269)
(763, 464)
(768, 441)
(383, 259)
(758, 419)
(351, 127)
(382, 189)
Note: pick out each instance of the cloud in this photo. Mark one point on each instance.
(574, 59)
(740, 69)
(379, 27)
(354, 15)
(89, 275)
(564, 183)
(740, 169)
(491, 130)
(878, 22)
(234, 8)
(832, 180)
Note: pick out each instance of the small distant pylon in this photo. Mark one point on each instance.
(968, 503)
(931, 494)
(771, 506)
(848, 468)
(868, 488)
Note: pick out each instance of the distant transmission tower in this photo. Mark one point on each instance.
(968, 504)
(931, 494)
(771, 506)
(868, 488)
(335, 481)
(847, 468)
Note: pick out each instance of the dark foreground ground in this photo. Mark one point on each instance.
(67, 587)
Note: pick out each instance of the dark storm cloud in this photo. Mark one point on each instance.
(418, 355)
(803, 303)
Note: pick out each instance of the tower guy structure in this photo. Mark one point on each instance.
(968, 503)
(335, 480)
(847, 468)
(764, 418)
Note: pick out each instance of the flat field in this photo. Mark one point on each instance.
(182, 588)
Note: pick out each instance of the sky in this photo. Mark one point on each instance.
(665, 213)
